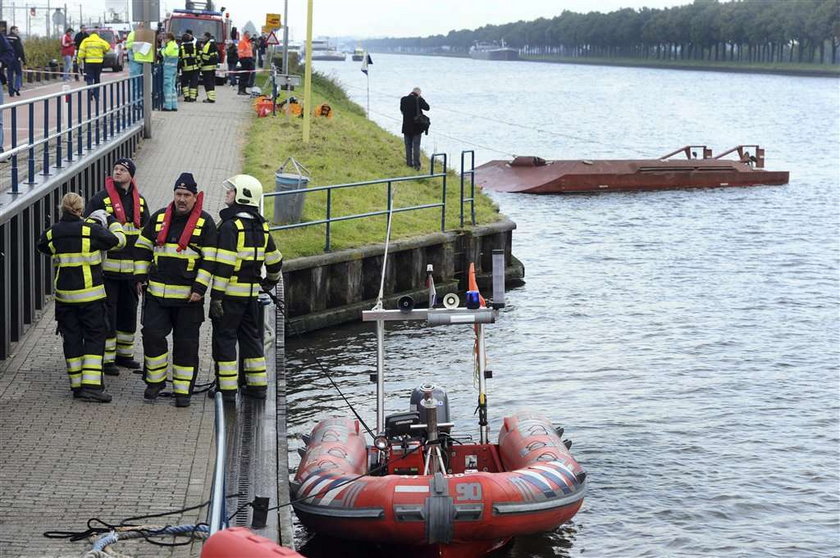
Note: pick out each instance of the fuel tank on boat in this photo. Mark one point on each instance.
(692, 166)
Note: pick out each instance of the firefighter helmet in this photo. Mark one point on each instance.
(248, 189)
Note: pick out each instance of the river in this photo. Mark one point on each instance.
(688, 341)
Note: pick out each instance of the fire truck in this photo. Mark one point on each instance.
(200, 17)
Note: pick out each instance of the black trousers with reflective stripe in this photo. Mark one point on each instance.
(239, 324)
(184, 321)
(122, 306)
(189, 82)
(82, 328)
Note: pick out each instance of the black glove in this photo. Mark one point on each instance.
(268, 286)
(216, 310)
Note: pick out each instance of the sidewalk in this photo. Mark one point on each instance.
(64, 461)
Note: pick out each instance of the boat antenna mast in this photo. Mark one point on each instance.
(451, 314)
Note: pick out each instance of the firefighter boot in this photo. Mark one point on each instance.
(255, 392)
(126, 362)
(153, 390)
(97, 395)
(110, 369)
(182, 400)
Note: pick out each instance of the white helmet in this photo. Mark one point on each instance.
(248, 189)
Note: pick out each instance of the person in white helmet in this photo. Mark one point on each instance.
(244, 247)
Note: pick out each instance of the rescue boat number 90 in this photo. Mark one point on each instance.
(468, 491)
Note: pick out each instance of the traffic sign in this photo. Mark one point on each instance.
(272, 39)
(272, 20)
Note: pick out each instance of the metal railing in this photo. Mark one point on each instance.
(68, 123)
(217, 514)
(468, 173)
(80, 135)
(329, 219)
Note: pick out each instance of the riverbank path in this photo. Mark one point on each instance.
(63, 461)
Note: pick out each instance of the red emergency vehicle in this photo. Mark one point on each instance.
(200, 22)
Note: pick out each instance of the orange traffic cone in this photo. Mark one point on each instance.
(472, 285)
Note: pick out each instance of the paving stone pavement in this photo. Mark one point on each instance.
(64, 461)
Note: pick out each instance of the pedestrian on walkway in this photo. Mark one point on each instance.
(122, 200)
(7, 56)
(136, 50)
(77, 41)
(75, 246)
(68, 49)
(175, 255)
(15, 70)
(244, 246)
(262, 44)
(232, 61)
(189, 68)
(92, 53)
(245, 50)
(169, 52)
(208, 62)
(412, 106)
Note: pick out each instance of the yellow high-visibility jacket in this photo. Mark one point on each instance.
(93, 49)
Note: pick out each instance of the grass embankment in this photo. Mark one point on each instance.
(343, 149)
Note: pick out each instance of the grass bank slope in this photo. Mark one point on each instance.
(343, 149)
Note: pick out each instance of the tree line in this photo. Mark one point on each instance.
(747, 31)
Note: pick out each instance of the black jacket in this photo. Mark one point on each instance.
(410, 106)
(17, 46)
(75, 246)
(173, 275)
(120, 264)
(79, 37)
(244, 246)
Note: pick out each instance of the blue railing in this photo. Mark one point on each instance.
(70, 123)
(329, 218)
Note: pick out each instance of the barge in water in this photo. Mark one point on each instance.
(699, 169)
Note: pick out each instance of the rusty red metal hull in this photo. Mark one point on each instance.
(621, 175)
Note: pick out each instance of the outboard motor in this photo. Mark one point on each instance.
(430, 390)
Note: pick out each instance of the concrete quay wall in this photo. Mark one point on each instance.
(331, 289)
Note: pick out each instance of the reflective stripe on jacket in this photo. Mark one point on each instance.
(189, 57)
(93, 49)
(120, 264)
(174, 274)
(75, 246)
(245, 245)
(209, 57)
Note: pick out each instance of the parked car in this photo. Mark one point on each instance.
(113, 58)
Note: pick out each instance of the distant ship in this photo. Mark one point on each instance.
(493, 51)
(358, 54)
(322, 50)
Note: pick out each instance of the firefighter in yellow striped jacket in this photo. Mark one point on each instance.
(175, 258)
(122, 200)
(244, 247)
(208, 61)
(188, 59)
(75, 246)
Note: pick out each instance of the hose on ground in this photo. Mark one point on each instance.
(198, 531)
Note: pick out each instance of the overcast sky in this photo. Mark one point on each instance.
(394, 18)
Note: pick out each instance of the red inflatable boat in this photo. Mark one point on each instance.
(420, 485)
(528, 483)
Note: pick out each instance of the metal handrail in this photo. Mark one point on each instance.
(329, 219)
(117, 108)
(217, 515)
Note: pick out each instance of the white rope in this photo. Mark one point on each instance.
(378, 305)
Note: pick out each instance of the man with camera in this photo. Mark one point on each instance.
(413, 125)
